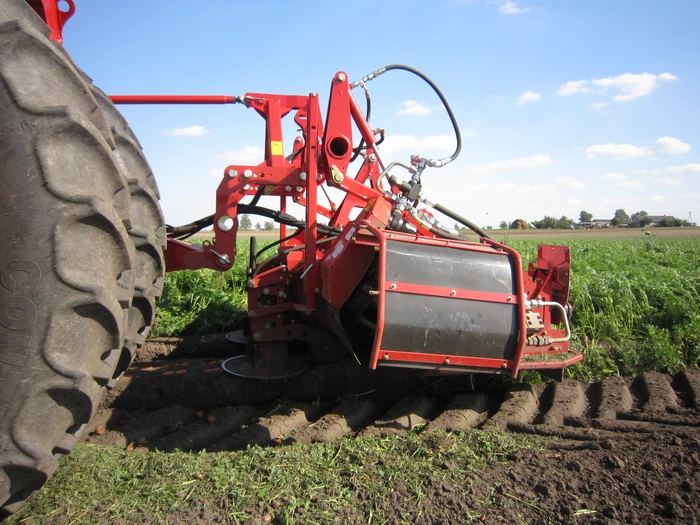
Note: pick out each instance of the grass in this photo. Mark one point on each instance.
(636, 302)
(204, 301)
(291, 484)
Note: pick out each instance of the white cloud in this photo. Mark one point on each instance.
(509, 8)
(573, 87)
(431, 142)
(629, 86)
(658, 198)
(600, 106)
(412, 107)
(670, 181)
(632, 184)
(532, 161)
(667, 145)
(682, 170)
(245, 155)
(192, 131)
(528, 96)
(672, 146)
(619, 151)
(614, 176)
(571, 182)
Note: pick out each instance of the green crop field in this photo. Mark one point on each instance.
(636, 300)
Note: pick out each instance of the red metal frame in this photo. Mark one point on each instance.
(174, 99)
(53, 15)
(286, 300)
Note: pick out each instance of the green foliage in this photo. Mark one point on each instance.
(550, 223)
(585, 216)
(636, 304)
(204, 301)
(244, 223)
(621, 215)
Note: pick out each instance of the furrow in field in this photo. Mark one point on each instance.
(191, 404)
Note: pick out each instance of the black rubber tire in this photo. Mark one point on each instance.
(72, 309)
(147, 231)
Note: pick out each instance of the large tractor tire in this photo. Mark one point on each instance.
(81, 262)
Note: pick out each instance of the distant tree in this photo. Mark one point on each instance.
(269, 226)
(620, 215)
(244, 223)
(584, 216)
(642, 218)
(257, 226)
(551, 223)
(503, 225)
(564, 223)
(548, 223)
(669, 221)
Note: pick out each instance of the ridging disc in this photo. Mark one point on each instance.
(242, 366)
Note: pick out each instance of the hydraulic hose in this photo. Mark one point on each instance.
(182, 232)
(453, 120)
(465, 222)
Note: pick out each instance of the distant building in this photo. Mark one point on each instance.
(653, 220)
(594, 224)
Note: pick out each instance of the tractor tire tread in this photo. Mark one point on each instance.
(67, 268)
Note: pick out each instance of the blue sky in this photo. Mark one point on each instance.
(563, 105)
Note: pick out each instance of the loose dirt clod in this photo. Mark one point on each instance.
(348, 417)
(518, 406)
(463, 413)
(659, 393)
(690, 379)
(568, 401)
(270, 429)
(614, 397)
(213, 427)
(403, 416)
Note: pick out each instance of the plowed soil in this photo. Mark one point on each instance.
(626, 450)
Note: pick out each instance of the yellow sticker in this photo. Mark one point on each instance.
(276, 148)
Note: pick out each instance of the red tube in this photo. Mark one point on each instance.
(173, 99)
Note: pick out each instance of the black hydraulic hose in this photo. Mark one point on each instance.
(444, 234)
(257, 196)
(272, 245)
(272, 258)
(182, 232)
(284, 218)
(469, 224)
(458, 135)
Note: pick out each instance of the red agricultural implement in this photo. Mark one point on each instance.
(368, 272)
